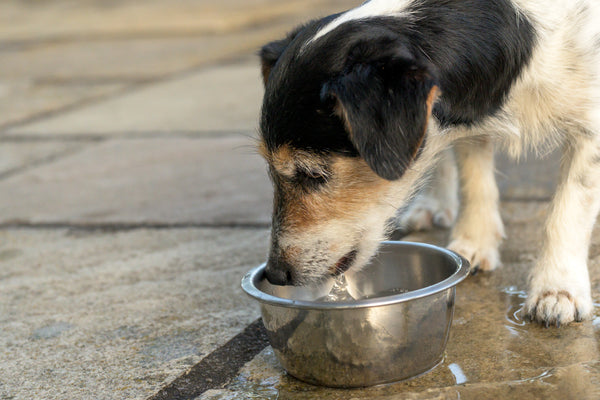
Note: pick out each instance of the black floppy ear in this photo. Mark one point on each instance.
(385, 106)
(270, 52)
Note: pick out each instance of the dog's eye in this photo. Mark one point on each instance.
(327, 105)
(310, 180)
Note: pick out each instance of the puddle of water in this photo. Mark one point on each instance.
(264, 389)
(541, 376)
(514, 311)
(458, 373)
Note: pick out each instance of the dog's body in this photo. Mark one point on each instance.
(359, 106)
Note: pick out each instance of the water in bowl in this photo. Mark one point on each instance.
(341, 291)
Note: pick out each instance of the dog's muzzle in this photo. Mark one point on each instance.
(279, 272)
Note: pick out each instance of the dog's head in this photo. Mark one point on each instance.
(344, 118)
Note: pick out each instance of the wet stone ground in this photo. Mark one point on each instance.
(492, 352)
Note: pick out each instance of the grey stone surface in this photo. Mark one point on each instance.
(217, 98)
(174, 180)
(531, 178)
(92, 315)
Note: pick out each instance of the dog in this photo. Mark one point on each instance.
(362, 106)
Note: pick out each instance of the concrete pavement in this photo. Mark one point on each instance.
(132, 202)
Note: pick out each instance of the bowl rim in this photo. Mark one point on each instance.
(462, 271)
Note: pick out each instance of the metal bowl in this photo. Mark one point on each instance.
(396, 329)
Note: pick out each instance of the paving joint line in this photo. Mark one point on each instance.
(42, 161)
(27, 137)
(533, 199)
(125, 226)
(67, 108)
(90, 80)
(217, 369)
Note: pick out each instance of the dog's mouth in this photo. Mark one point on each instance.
(344, 263)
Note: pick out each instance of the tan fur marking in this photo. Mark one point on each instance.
(340, 111)
(287, 161)
(283, 161)
(261, 148)
(265, 69)
(431, 98)
(352, 187)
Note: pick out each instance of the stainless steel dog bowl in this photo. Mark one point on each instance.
(384, 336)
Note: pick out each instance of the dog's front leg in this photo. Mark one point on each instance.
(559, 287)
(478, 230)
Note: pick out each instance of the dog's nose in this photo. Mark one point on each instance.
(279, 273)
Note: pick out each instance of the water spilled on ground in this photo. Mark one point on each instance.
(492, 350)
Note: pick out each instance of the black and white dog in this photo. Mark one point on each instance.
(360, 105)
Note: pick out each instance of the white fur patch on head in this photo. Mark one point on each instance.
(373, 8)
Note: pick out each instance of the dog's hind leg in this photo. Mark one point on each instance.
(436, 205)
(478, 230)
(559, 286)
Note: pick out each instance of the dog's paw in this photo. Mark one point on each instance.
(558, 306)
(481, 256)
(428, 212)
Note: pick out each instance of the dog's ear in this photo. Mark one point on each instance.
(385, 104)
(270, 52)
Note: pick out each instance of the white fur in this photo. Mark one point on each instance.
(437, 203)
(555, 102)
(373, 8)
(562, 266)
(478, 230)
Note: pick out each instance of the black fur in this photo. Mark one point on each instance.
(388, 134)
(479, 46)
(381, 70)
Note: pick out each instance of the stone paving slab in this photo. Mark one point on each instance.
(22, 21)
(182, 181)
(117, 315)
(21, 99)
(224, 97)
(492, 353)
(16, 156)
